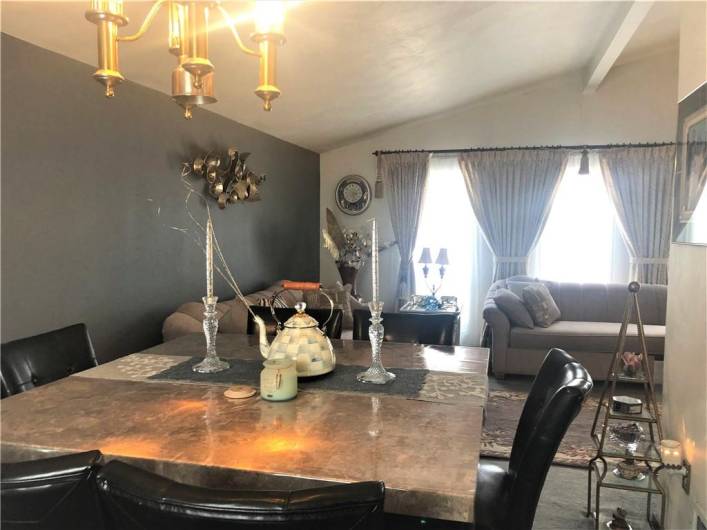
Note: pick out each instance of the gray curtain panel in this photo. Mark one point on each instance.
(640, 183)
(511, 193)
(404, 176)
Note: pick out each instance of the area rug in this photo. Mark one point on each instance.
(502, 412)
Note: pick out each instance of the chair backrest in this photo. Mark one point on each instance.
(332, 329)
(134, 498)
(554, 401)
(35, 361)
(408, 327)
(52, 494)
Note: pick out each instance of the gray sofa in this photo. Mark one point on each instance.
(233, 315)
(588, 328)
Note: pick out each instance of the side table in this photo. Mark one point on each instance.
(409, 307)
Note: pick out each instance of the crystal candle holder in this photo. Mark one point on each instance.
(211, 362)
(376, 374)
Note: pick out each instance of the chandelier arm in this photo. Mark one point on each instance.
(232, 26)
(145, 23)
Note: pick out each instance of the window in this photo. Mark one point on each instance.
(581, 241)
(447, 221)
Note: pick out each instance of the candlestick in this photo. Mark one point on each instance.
(376, 373)
(211, 362)
(209, 259)
(374, 261)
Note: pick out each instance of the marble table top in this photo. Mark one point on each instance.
(425, 451)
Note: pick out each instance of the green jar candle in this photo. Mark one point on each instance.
(278, 380)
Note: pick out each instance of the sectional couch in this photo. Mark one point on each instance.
(588, 327)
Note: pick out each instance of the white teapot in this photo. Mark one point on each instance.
(301, 340)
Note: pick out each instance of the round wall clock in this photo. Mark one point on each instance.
(353, 194)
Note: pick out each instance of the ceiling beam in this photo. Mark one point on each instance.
(627, 21)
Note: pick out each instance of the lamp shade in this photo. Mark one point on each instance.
(442, 257)
(426, 257)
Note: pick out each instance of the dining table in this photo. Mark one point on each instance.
(419, 434)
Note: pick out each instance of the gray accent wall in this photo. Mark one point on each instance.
(91, 188)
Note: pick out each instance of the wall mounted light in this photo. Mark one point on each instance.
(673, 460)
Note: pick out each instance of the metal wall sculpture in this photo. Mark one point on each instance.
(229, 179)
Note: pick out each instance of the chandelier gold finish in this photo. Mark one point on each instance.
(188, 40)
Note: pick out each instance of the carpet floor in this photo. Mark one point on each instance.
(503, 409)
(563, 501)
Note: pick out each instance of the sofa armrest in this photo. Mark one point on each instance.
(500, 335)
(178, 324)
(187, 319)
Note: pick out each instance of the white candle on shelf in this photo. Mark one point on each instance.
(209, 259)
(374, 259)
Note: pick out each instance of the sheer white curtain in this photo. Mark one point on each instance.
(447, 221)
(582, 240)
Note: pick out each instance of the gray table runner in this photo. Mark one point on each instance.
(408, 382)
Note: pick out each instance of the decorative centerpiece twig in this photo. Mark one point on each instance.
(210, 246)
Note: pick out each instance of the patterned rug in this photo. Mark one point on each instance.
(503, 409)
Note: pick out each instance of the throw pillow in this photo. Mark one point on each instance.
(516, 287)
(513, 308)
(541, 305)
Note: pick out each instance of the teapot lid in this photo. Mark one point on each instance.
(301, 319)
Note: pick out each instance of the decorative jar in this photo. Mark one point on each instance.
(278, 380)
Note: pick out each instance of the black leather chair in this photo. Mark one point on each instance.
(408, 327)
(507, 500)
(332, 329)
(35, 361)
(52, 494)
(137, 499)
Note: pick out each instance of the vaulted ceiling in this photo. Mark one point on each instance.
(350, 68)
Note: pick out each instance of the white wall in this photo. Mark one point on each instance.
(693, 48)
(685, 377)
(685, 367)
(635, 103)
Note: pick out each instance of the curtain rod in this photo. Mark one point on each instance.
(588, 147)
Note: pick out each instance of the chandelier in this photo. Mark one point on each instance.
(188, 41)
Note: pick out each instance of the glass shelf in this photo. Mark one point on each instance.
(626, 379)
(611, 481)
(646, 450)
(643, 417)
(647, 485)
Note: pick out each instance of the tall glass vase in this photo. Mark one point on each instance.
(211, 362)
(376, 374)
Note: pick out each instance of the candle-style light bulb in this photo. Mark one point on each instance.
(209, 259)
(671, 453)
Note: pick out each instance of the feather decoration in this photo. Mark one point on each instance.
(334, 230)
(330, 245)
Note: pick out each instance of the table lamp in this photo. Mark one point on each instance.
(441, 261)
(425, 259)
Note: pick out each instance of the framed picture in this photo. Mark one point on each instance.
(690, 206)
